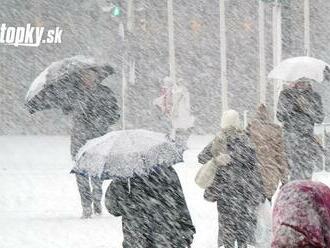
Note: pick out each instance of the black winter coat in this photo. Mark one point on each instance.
(299, 110)
(239, 182)
(153, 209)
(93, 113)
(238, 190)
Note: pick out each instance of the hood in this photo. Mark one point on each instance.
(304, 207)
(262, 114)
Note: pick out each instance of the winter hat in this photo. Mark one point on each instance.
(229, 119)
(303, 83)
(168, 82)
(262, 113)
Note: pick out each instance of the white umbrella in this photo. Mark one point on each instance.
(125, 153)
(292, 69)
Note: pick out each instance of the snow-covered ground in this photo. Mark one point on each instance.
(40, 205)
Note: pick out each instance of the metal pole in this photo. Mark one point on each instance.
(130, 15)
(171, 48)
(262, 56)
(307, 40)
(171, 40)
(223, 52)
(124, 81)
(130, 28)
(245, 118)
(277, 33)
(124, 86)
(277, 48)
(131, 79)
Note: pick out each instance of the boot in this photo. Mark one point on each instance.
(87, 213)
(97, 207)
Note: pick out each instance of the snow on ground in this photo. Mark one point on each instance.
(40, 205)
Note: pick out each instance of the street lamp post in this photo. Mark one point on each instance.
(262, 56)
(307, 27)
(171, 40)
(171, 49)
(277, 48)
(223, 56)
(130, 15)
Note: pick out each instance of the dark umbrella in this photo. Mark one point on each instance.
(60, 83)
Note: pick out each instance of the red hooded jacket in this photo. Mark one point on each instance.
(301, 216)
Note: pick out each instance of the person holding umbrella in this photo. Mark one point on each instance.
(153, 209)
(73, 85)
(93, 112)
(299, 109)
(145, 190)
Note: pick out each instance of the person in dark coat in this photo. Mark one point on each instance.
(237, 186)
(93, 112)
(238, 190)
(153, 209)
(299, 108)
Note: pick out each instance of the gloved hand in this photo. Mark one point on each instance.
(67, 109)
(189, 240)
(223, 159)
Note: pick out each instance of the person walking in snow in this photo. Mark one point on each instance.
(92, 114)
(165, 102)
(268, 141)
(299, 108)
(237, 186)
(153, 209)
(301, 216)
(181, 110)
(174, 102)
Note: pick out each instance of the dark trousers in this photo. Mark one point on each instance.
(302, 155)
(89, 194)
(220, 231)
(237, 225)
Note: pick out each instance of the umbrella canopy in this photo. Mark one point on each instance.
(126, 153)
(55, 86)
(292, 69)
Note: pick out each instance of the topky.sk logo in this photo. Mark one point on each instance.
(29, 36)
